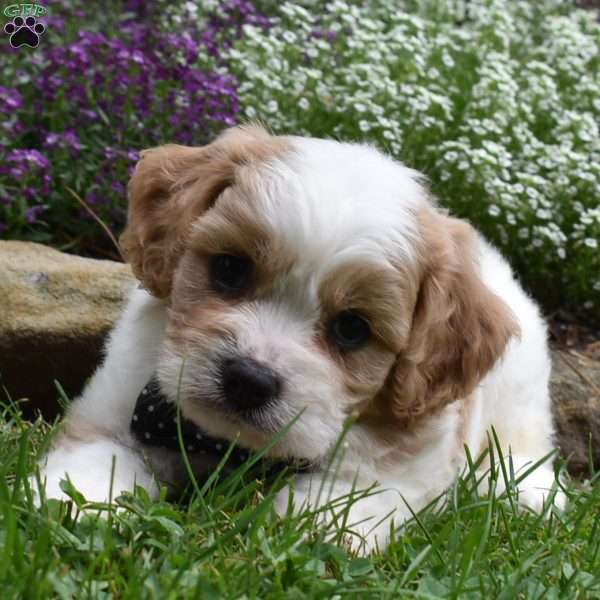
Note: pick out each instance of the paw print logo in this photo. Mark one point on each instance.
(24, 32)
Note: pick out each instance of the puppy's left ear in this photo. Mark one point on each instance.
(171, 187)
(460, 328)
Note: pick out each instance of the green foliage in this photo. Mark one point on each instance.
(497, 101)
(226, 542)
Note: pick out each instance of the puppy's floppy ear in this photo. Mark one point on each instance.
(460, 327)
(171, 186)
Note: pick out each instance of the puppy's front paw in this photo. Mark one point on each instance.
(98, 470)
(363, 518)
(368, 529)
(536, 489)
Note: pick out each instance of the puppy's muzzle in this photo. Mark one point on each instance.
(247, 384)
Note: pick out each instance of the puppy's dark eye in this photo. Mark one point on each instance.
(229, 273)
(349, 330)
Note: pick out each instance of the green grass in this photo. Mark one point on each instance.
(225, 542)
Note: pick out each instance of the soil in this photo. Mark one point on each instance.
(568, 332)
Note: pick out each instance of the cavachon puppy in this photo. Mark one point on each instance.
(289, 279)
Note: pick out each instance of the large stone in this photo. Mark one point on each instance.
(575, 389)
(55, 312)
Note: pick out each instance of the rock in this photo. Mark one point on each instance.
(56, 310)
(575, 389)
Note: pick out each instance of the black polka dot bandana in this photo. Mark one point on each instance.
(154, 423)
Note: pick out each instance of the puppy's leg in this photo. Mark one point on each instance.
(95, 442)
(522, 418)
(526, 441)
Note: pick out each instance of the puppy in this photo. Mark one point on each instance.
(305, 281)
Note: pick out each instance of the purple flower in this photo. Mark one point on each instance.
(92, 115)
(71, 140)
(10, 99)
(33, 212)
(137, 57)
(30, 193)
(68, 140)
(92, 198)
(118, 187)
(31, 155)
(51, 140)
(17, 172)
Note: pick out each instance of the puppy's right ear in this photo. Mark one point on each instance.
(160, 210)
(170, 188)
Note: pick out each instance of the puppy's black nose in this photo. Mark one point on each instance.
(247, 384)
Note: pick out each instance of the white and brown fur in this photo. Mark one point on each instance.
(456, 348)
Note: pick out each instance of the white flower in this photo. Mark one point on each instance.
(447, 60)
(494, 210)
(272, 106)
(192, 8)
(591, 242)
(364, 125)
(250, 112)
(304, 104)
(289, 36)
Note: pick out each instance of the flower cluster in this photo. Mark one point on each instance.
(497, 101)
(97, 89)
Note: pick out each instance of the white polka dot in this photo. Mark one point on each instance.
(147, 435)
(219, 446)
(144, 392)
(190, 448)
(161, 425)
(151, 408)
(135, 418)
(198, 436)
